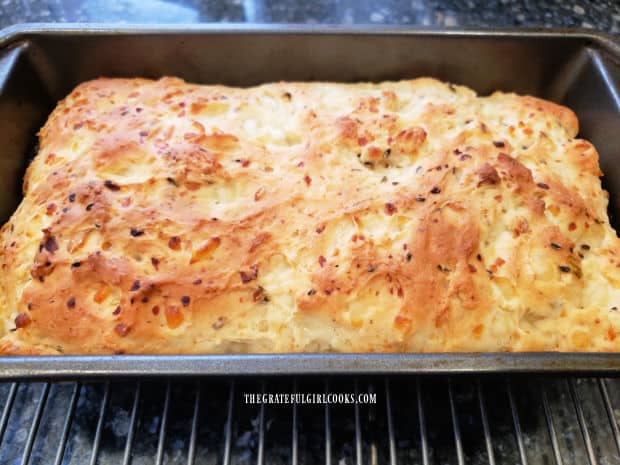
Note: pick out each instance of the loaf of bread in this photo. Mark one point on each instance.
(161, 217)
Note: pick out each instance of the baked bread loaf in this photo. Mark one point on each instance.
(413, 216)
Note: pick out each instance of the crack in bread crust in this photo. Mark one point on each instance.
(414, 216)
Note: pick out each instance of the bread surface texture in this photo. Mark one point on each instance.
(161, 217)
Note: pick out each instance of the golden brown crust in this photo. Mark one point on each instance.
(164, 217)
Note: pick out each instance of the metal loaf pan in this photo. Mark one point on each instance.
(40, 64)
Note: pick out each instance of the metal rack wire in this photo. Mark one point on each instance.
(414, 420)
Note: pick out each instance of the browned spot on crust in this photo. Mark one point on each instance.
(515, 171)
(122, 329)
(22, 320)
(488, 175)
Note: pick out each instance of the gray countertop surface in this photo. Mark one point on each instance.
(602, 15)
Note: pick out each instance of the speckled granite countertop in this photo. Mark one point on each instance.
(603, 15)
